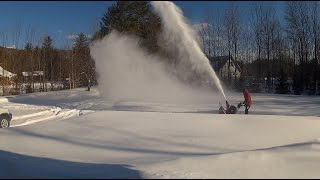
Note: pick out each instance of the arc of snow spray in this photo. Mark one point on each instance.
(175, 26)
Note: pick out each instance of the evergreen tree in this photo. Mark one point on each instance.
(132, 17)
(47, 50)
(28, 64)
(82, 65)
(81, 43)
(47, 43)
(282, 86)
(28, 47)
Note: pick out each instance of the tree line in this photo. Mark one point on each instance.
(43, 67)
(267, 44)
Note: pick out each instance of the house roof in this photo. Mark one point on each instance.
(218, 62)
(5, 73)
(33, 73)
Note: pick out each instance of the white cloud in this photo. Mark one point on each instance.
(60, 31)
(72, 36)
(198, 27)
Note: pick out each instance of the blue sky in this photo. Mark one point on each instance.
(58, 19)
(62, 19)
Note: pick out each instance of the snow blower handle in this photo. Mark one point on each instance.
(227, 104)
(240, 104)
(221, 109)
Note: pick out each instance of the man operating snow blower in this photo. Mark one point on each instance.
(232, 109)
(247, 101)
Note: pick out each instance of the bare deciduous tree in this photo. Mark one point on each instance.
(299, 26)
(232, 25)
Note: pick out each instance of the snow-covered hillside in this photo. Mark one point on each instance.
(75, 134)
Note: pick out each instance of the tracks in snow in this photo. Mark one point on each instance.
(26, 114)
(50, 114)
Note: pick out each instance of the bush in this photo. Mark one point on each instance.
(28, 89)
(282, 87)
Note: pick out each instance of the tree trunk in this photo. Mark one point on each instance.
(315, 66)
(235, 63)
(229, 65)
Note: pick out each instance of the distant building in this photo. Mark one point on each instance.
(5, 73)
(11, 47)
(27, 76)
(220, 64)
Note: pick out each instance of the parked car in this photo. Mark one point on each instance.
(5, 118)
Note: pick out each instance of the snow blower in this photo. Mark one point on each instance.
(229, 109)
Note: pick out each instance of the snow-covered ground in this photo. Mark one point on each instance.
(76, 134)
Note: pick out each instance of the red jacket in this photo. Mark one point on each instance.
(247, 98)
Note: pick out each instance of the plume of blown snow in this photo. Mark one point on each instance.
(179, 36)
(128, 73)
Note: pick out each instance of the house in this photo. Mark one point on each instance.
(220, 65)
(35, 75)
(6, 74)
(6, 78)
(11, 47)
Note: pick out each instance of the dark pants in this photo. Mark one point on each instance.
(244, 104)
(247, 109)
